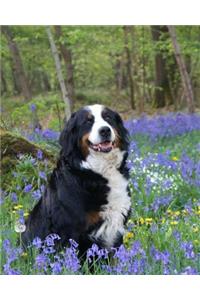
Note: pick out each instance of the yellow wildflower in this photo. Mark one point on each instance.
(176, 213)
(24, 254)
(195, 229)
(129, 235)
(173, 222)
(174, 158)
(148, 220)
(141, 221)
(163, 220)
(19, 206)
(26, 214)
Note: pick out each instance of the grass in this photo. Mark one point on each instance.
(163, 231)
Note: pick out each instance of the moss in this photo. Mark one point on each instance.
(12, 145)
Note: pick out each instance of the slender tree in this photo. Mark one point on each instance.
(183, 71)
(21, 78)
(162, 86)
(67, 56)
(129, 64)
(3, 83)
(59, 73)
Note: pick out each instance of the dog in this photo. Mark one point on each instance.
(87, 197)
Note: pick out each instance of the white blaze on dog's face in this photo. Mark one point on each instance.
(102, 137)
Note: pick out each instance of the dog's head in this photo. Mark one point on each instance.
(93, 129)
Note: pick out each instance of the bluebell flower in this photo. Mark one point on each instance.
(33, 107)
(42, 175)
(39, 154)
(37, 243)
(41, 262)
(71, 261)
(177, 235)
(8, 270)
(188, 250)
(50, 134)
(21, 216)
(189, 271)
(36, 195)
(28, 188)
(56, 267)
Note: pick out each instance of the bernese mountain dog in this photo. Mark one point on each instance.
(87, 196)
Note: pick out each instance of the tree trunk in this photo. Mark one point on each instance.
(118, 73)
(129, 65)
(59, 73)
(17, 63)
(162, 86)
(46, 83)
(67, 56)
(3, 83)
(183, 71)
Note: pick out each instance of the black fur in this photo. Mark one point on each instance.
(72, 191)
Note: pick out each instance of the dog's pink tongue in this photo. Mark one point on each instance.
(105, 145)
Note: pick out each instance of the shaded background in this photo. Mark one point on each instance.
(130, 68)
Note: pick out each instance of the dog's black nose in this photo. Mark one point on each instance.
(105, 132)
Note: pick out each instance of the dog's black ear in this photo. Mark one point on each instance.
(68, 137)
(123, 132)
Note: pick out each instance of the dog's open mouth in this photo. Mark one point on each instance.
(105, 147)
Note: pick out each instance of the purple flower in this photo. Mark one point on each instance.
(56, 268)
(2, 196)
(48, 250)
(163, 126)
(21, 217)
(177, 235)
(12, 254)
(41, 262)
(39, 154)
(50, 134)
(36, 195)
(97, 253)
(14, 197)
(166, 270)
(42, 188)
(10, 271)
(161, 201)
(73, 243)
(188, 249)
(71, 261)
(136, 248)
(52, 237)
(160, 256)
(189, 271)
(37, 243)
(6, 245)
(28, 188)
(42, 175)
(32, 107)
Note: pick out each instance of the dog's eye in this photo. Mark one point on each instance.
(89, 119)
(107, 117)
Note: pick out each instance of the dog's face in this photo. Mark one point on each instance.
(94, 128)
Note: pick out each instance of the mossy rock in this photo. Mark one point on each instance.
(13, 145)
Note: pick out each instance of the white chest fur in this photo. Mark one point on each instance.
(119, 203)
